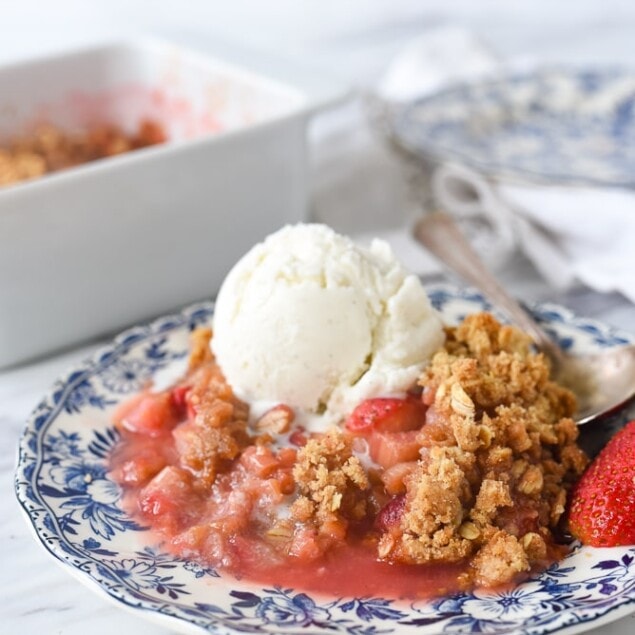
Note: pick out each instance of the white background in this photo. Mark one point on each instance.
(353, 38)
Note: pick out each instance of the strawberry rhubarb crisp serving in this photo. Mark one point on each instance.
(332, 435)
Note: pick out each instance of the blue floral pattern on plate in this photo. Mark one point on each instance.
(63, 486)
(550, 126)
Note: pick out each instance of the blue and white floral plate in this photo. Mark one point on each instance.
(550, 126)
(75, 509)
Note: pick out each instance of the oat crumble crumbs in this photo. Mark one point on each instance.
(218, 432)
(49, 148)
(330, 480)
(497, 460)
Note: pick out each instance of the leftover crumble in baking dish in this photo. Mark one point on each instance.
(50, 149)
(463, 483)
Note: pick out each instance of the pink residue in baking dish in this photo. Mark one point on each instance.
(126, 106)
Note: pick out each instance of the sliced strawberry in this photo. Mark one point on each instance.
(387, 415)
(602, 510)
(259, 460)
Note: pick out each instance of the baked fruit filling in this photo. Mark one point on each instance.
(468, 472)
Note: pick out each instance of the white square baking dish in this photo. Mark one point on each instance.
(94, 248)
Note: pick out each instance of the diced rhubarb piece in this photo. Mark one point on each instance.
(139, 469)
(169, 498)
(287, 457)
(390, 448)
(387, 415)
(305, 545)
(335, 529)
(259, 460)
(148, 413)
(254, 554)
(268, 493)
(192, 538)
(391, 513)
(393, 478)
(233, 513)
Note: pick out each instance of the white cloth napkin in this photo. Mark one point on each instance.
(579, 233)
(569, 233)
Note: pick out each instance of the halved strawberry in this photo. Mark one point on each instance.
(602, 510)
(387, 414)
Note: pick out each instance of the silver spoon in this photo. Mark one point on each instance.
(602, 382)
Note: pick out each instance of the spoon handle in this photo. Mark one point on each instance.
(439, 233)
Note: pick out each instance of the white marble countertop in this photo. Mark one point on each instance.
(37, 596)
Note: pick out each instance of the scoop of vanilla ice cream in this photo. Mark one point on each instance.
(309, 319)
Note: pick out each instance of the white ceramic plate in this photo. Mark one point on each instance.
(63, 487)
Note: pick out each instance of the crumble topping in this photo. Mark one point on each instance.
(330, 480)
(218, 431)
(491, 484)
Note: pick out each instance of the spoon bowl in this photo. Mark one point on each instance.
(602, 382)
